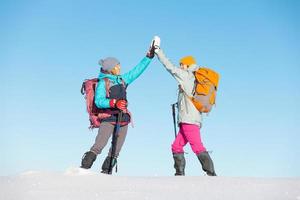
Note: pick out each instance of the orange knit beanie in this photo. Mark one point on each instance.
(188, 60)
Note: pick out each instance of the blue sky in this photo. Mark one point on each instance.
(49, 47)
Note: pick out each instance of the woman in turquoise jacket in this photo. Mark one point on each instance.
(111, 97)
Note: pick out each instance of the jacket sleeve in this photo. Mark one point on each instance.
(179, 74)
(134, 73)
(100, 95)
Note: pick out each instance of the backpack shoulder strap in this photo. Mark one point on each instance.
(107, 85)
(195, 82)
(123, 83)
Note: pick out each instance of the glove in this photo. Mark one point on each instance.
(155, 44)
(120, 104)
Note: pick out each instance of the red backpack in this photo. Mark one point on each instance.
(95, 114)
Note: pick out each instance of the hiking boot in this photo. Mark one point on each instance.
(88, 159)
(179, 163)
(106, 163)
(207, 163)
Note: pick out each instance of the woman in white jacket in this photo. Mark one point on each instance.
(189, 118)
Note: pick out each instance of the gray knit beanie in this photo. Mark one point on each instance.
(108, 63)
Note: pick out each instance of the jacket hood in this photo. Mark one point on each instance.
(110, 76)
(113, 78)
(192, 68)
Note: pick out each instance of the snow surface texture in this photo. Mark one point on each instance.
(80, 184)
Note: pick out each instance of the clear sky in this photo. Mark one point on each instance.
(47, 48)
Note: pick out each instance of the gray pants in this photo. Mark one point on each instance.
(104, 133)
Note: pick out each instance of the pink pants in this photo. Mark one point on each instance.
(188, 133)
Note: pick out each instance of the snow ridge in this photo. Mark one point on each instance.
(80, 184)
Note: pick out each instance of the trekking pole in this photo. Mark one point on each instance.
(114, 141)
(174, 117)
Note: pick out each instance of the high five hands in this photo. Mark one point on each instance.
(155, 44)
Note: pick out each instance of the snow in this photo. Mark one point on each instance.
(81, 184)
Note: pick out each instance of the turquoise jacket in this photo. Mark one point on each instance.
(101, 100)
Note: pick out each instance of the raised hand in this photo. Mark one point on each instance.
(155, 44)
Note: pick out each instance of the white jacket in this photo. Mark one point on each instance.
(187, 113)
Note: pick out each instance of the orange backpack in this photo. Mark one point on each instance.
(205, 89)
